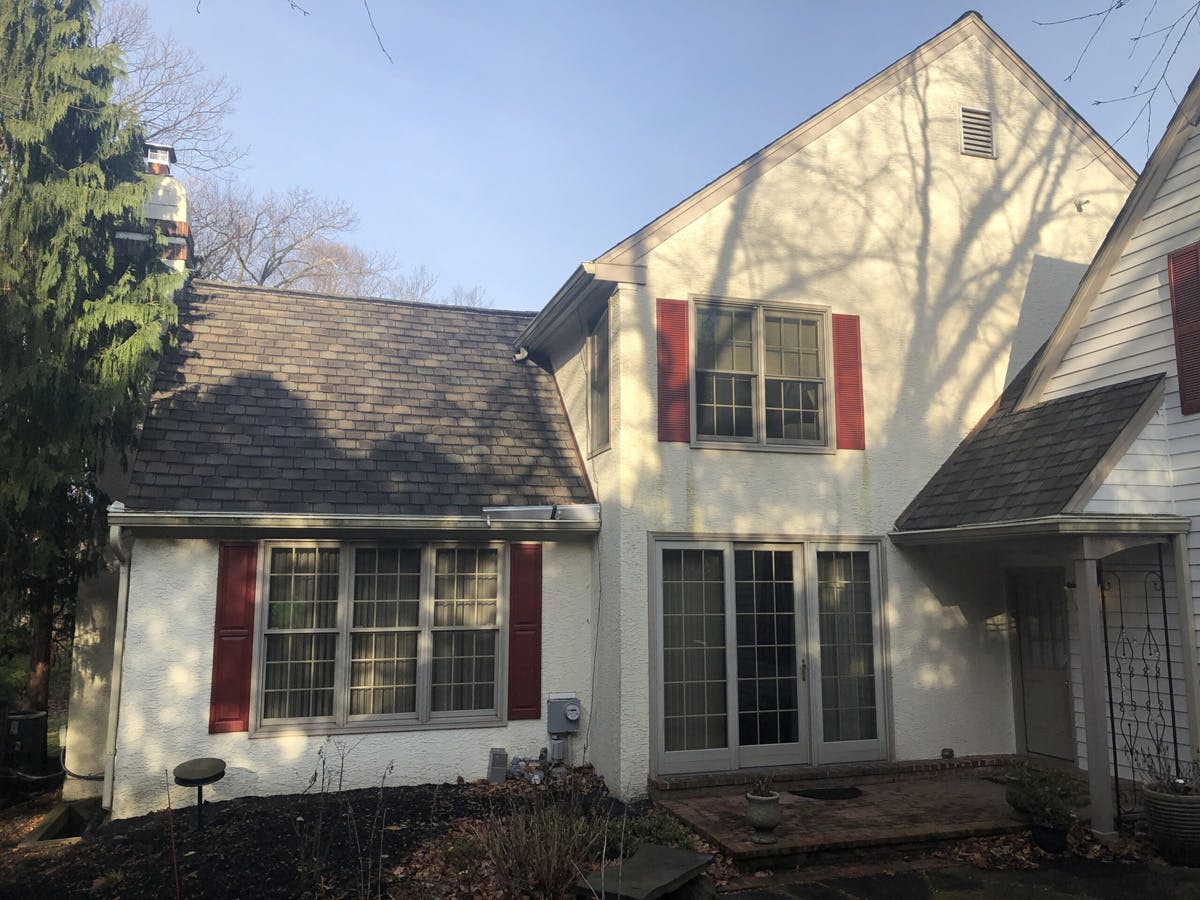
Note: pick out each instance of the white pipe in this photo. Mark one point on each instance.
(124, 554)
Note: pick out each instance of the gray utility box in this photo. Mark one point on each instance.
(563, 715)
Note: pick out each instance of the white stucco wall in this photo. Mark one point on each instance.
(950, 262)
(168, 671)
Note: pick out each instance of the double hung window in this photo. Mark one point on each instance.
(760, 374)
(404, 634)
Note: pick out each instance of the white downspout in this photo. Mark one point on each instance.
(122, 545)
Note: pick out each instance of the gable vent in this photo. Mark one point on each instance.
(977, 137)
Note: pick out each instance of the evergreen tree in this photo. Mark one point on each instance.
(81, 323)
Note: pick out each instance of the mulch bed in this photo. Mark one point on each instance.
(250, 847)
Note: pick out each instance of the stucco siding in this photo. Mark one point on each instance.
(950, 262)
(167, 675)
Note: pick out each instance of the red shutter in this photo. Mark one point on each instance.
(848, 384)
(525, 632)
(674, 397)
(237, 574)
(1183, 268)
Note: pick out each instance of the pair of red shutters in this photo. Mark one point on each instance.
(674, 392)
(237, 580)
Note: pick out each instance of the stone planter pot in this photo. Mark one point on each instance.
(762, 813)
(1174, 824)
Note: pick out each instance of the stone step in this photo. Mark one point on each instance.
(653, 871)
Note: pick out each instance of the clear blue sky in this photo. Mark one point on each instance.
(508, 141)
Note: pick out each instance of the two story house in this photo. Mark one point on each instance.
(682, 492)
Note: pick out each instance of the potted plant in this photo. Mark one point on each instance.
(1048, 798)
(762, 812)
(1171, 797)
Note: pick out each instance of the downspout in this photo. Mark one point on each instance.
(121, 542)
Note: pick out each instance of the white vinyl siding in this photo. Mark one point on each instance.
(1128, 333)
(1140, 482)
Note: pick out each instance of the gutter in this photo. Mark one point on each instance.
(121, 543)
(1045, 526)
(563, 520)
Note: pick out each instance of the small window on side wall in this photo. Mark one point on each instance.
(1183, 269)
(599, 417)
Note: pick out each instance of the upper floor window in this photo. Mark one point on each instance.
(760, 374)
(598, 386)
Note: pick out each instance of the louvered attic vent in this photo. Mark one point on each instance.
(977, 138)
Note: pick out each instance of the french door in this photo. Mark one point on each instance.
(749, 673)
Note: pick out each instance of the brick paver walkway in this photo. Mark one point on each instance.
(912, 809)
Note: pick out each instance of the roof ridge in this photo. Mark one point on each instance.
(207, 285)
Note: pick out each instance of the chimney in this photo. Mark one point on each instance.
(165, 209)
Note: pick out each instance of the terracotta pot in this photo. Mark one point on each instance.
(1174, 824)
(762, 813)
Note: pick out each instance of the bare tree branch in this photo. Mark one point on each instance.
(169, 89)
(1155, 76)
(294, 241)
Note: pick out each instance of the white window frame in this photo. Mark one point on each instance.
(424, 718)
(760, 441)
(807, 547)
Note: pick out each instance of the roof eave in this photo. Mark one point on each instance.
(567, 299)
(1044, 526)
(634, 247)
(1155, 172)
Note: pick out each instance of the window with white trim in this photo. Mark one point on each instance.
(599, 403)
(761, 374)
(400, 633)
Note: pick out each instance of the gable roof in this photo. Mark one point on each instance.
(286, 402)
(1158, 167)
(620, 262)
(1025, 463)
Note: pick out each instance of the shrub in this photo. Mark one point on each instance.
(1047, 796)
(626, 834)
(542, 846)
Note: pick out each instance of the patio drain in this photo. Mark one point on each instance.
(829, 793)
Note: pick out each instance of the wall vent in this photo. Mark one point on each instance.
(977, 134)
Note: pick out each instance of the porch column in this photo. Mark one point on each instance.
(1095, 695)
(1187, 627)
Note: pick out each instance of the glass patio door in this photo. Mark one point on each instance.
(732, 657)
(771, 666)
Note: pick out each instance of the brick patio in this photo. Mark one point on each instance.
(893, 810)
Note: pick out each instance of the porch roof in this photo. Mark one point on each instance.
(1034, 464)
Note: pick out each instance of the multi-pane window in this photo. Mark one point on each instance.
(847, 645)
(694, 701)
(598, 388)
(403, 633)
(760, 375)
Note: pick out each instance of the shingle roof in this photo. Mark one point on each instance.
(1028, 463)
(286, 402)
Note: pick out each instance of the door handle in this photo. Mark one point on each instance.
(804, 670)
